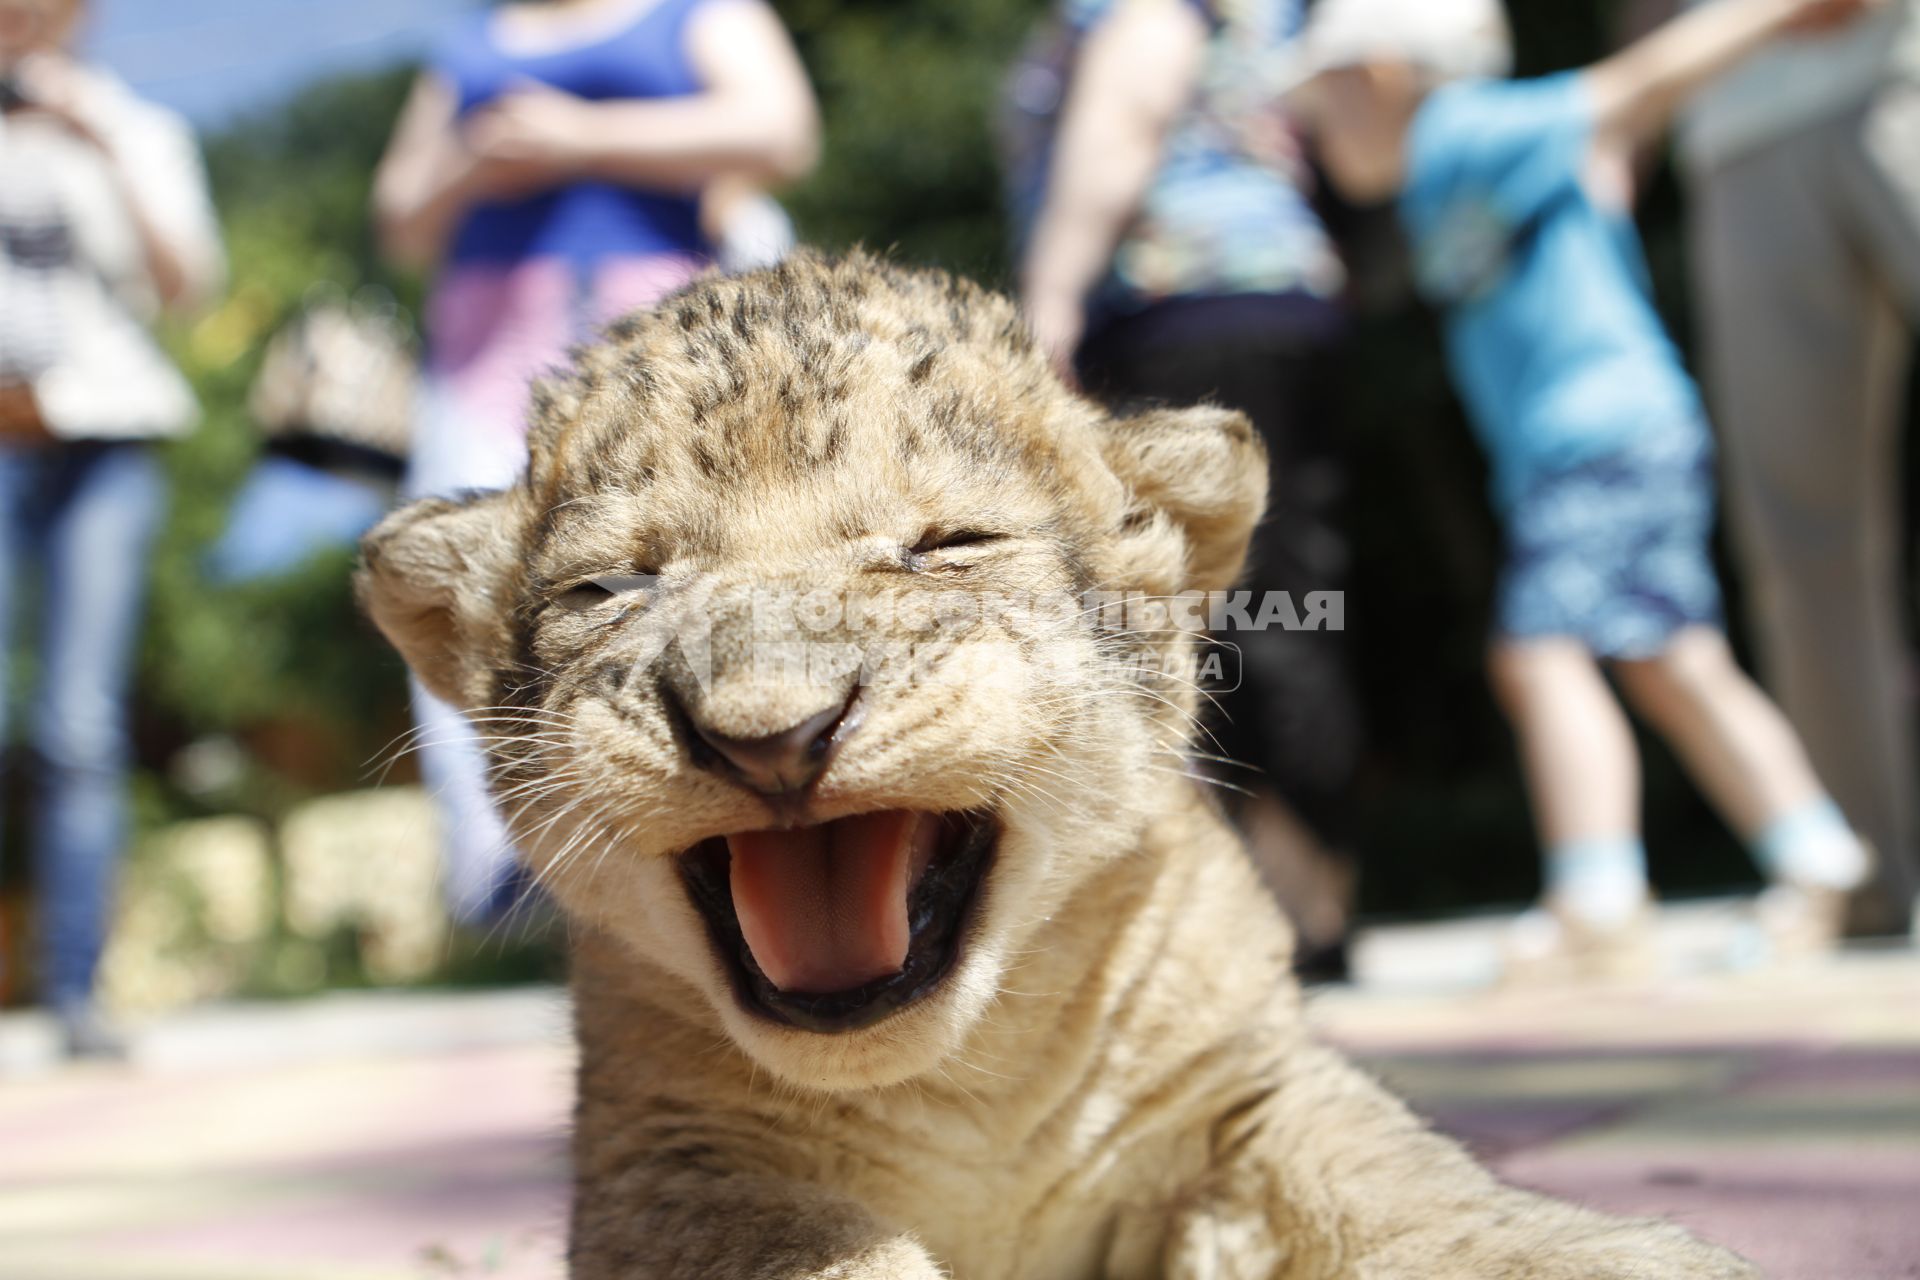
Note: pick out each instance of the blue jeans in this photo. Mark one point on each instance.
(84, 516)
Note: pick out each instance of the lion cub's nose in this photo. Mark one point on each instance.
(779, 763)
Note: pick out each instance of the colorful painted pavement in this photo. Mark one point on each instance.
(1777, 1114)
(370, 1138)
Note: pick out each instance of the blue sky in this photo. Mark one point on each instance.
(218, 59)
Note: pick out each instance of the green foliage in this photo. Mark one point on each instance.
(907, 90)
(294, 185)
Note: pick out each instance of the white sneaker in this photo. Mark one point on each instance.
(1550, 946)
(1800, 922)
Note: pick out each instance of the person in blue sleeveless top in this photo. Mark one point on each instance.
(1170, 252)
(548, 169)
(1517, 197)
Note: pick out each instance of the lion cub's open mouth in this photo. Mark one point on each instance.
(832, 927)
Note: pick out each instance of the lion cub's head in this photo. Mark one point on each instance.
(795, 651)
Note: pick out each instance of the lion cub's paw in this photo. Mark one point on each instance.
(901, 1259)
(1643, 1251)
(1552, 1243)
(1219, 1241)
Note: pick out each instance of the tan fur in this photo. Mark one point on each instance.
(1114, 1082)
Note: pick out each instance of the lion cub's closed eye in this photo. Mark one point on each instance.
(604, 587)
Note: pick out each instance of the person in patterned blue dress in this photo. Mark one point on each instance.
(1171, 253)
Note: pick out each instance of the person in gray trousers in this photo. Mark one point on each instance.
(1805, 170)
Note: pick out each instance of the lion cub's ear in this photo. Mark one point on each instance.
(434, 578)
(1202, 470)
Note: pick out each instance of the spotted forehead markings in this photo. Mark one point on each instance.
(809, 322)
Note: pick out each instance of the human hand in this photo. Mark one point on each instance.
(1813, 17)
(1058, 324)
(54, 85)
(21, 423)
(1272, 135)
(531, 137)
(484, 178)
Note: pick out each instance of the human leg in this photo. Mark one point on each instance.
(98, 540)
(1807, 357)
(1744, 754)
(1741, 750)
(1583, 776)
(1603, 558)
(477, 851)
(1294, 714)
(457, 449)
(1297, 711)
(1886, 197)
(20, 481)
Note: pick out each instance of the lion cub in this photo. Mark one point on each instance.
(818, 669)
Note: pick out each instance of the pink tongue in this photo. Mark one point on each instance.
(824, 909)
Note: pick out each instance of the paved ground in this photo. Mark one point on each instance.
(1778, 1115)
(382, 1138)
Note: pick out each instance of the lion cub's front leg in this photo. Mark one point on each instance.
(657, 1223)
(1324, 1176)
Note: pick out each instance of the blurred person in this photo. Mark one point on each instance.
(105, 223)
(548, 169)
(1517, 197)
(333, 400)
(1170, 252)
(1805, 171)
